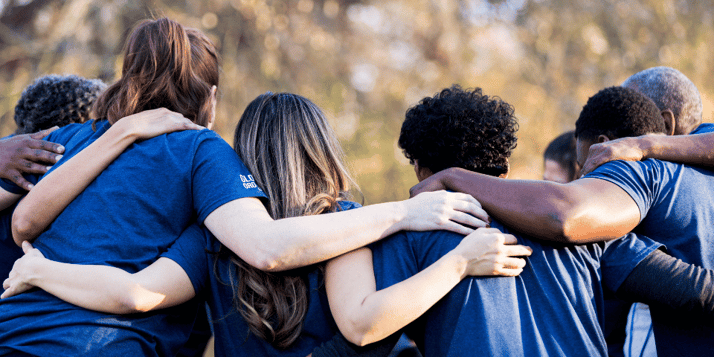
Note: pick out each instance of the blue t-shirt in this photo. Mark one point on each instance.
(553, 308)
(9, 251)
(211, 274)
(676, 205)
(126, 218)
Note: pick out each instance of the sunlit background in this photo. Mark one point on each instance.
(365, 62)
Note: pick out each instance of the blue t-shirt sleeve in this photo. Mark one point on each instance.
(189, 251)
(703, 129)
(622, 255)
(393, 259)
(640, 179)
(218, 176)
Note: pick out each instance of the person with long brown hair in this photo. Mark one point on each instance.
(128, 212)
(298, 162)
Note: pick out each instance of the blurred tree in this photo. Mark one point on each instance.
(365, 62)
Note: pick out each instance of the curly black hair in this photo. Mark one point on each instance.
(618, 112)
(56, 100)
(460, 128)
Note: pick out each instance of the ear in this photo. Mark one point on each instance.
(214, 101)
(602, 139)
(669, 122)
(421, 172)
(508, 170)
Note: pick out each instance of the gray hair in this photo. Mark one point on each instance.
(670, 89)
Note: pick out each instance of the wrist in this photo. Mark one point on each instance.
(646, 145)
(458, 263)
(400, 216)
(124, 129)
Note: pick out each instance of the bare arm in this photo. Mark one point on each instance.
(582, 211)
(365, 315)
(101, 288)
(246, 228)
(36, 212)
(697, 149)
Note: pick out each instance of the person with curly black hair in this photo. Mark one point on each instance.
(56, 100)
(51, 101)
(668, 202)
(460, 128)
(552, 308)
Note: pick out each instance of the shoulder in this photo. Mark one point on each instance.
(703, 129)
(347, 205)
(66, 133)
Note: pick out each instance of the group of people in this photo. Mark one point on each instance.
(147, 233)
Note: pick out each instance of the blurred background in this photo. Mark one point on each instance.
(365, 62)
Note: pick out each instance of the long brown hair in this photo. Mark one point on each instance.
(295, 157)
(163, 68)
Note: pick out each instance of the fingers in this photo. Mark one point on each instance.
(456, 228)
(468, 220)
(26, 247)
(517, 250)
(49, 147)
(513, 263)
(43, 133)
(17, 178)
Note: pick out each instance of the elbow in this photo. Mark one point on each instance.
(358, 331)
(357, 337)
(22, 227)
(562, 225)
(270, 261)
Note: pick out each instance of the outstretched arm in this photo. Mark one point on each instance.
(36, 212)
(585, 210)
(365, 315)
(662, 280)
(246, 228)
(697, 149)
(101, 288)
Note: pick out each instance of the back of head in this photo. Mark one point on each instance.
(56, 100)
(618, 112)
(670, 89)
(159, 71)
(562, 151)
(295, 157)
(460, 128)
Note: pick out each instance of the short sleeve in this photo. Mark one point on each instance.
(703, 128)
(218, 176)
(640, 179)
(622, 255)
(393, 260)
(189, 251)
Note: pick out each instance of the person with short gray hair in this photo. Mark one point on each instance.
(670, 90)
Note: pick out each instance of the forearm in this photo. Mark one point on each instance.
(579, 212)
(96, 287)
(36, 211)
(695, 149)
(365, 315)
(389, 310)
(662, 280)
(246, 228)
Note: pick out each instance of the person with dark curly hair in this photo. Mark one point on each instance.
(671, 203)
(56, 100)
(552, 308)
(50, 101)
(458, 128)
(559, 164)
